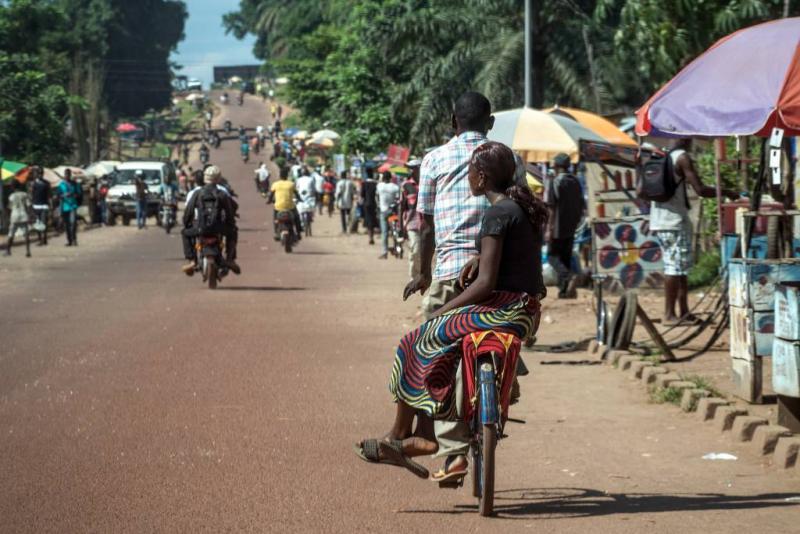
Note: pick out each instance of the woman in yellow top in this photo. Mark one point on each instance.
(283, 195)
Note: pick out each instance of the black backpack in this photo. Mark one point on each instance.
(209, 211)
(655, 180)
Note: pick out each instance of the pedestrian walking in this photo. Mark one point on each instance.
(186, 153)
(345, 191)
(564, 198)
(141, 199)
(40, 193)
(388, 195)
(410, 218)
(369, 203)
(20, 204)
(71, 196)
(103, 185)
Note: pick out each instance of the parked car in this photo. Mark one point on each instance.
(121, 197)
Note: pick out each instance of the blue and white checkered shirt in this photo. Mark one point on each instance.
(444, 193)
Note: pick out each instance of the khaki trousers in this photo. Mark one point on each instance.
(453, 436)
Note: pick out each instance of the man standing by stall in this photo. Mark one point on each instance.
(672, 226)
(564, 198)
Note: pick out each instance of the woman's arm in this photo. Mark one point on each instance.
(481, 289)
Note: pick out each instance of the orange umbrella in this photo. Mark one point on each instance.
(599, 125)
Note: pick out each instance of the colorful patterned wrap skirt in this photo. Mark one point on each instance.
(427, 358)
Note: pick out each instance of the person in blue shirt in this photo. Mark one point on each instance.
(71, 197)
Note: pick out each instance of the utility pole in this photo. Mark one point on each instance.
(528, 54)
(786, 8)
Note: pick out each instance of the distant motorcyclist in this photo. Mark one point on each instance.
(210, 194)
(204, 153)
(283, 195)
(224, 98)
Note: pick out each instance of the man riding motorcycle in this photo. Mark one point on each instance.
(283, 195)
(211, 189)
(204, 154)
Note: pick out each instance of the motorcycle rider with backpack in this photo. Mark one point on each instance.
(209, 211)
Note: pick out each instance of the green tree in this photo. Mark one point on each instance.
(33, 112)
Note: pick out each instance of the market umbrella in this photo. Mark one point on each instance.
(10, 169)
(302, 134)
(538, 136)
(234, 79)
(326, 134)
(195, 96)
(289, 132)
(324, 143)
(99, 168)
(599, 125)
(126, 127)
(77, 173)
(746, 84)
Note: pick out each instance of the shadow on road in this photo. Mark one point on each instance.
(260, 288)
(565, 503)
(312, 253)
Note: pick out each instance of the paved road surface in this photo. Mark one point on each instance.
(134, 400)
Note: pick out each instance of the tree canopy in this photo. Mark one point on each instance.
(80, 63)
(389, 70)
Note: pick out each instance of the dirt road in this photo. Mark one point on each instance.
(132, 399)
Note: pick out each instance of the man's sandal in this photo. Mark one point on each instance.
(449, 479)
(371, 450)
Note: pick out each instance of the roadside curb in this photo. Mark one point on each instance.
(663, 385)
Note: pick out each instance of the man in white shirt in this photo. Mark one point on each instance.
(306, 190)
(262, 178)
(388, 194)
(345, 192)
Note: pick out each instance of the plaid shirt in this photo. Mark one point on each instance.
(444, 193)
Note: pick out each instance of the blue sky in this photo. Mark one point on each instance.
(206, 44)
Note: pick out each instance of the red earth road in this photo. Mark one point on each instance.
(133, 399)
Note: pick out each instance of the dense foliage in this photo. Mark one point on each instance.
(71, 66)
(389, 70)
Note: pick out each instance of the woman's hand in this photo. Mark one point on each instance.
(469, 273)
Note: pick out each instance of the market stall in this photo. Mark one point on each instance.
(758, 72)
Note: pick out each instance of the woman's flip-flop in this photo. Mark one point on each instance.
(370, 450)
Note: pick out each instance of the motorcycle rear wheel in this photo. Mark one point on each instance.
(212, 273)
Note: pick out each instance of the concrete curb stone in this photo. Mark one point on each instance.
(625, 362)
(681, 385)
(636, 368)
(724, 416)
(613, 356)
(649, 374)
(786, 453)
(765, 438)
(744, 426)
(593, 348)
(663, 381)
(707, 407)
(691, 398)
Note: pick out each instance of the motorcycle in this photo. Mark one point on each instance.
(240, 99)
(210, 262)
(168, 215)
(245, 157)
(204, 157)
(228, 127)
(284, 230)
(396, 234)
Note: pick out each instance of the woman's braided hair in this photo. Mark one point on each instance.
(498, 165)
